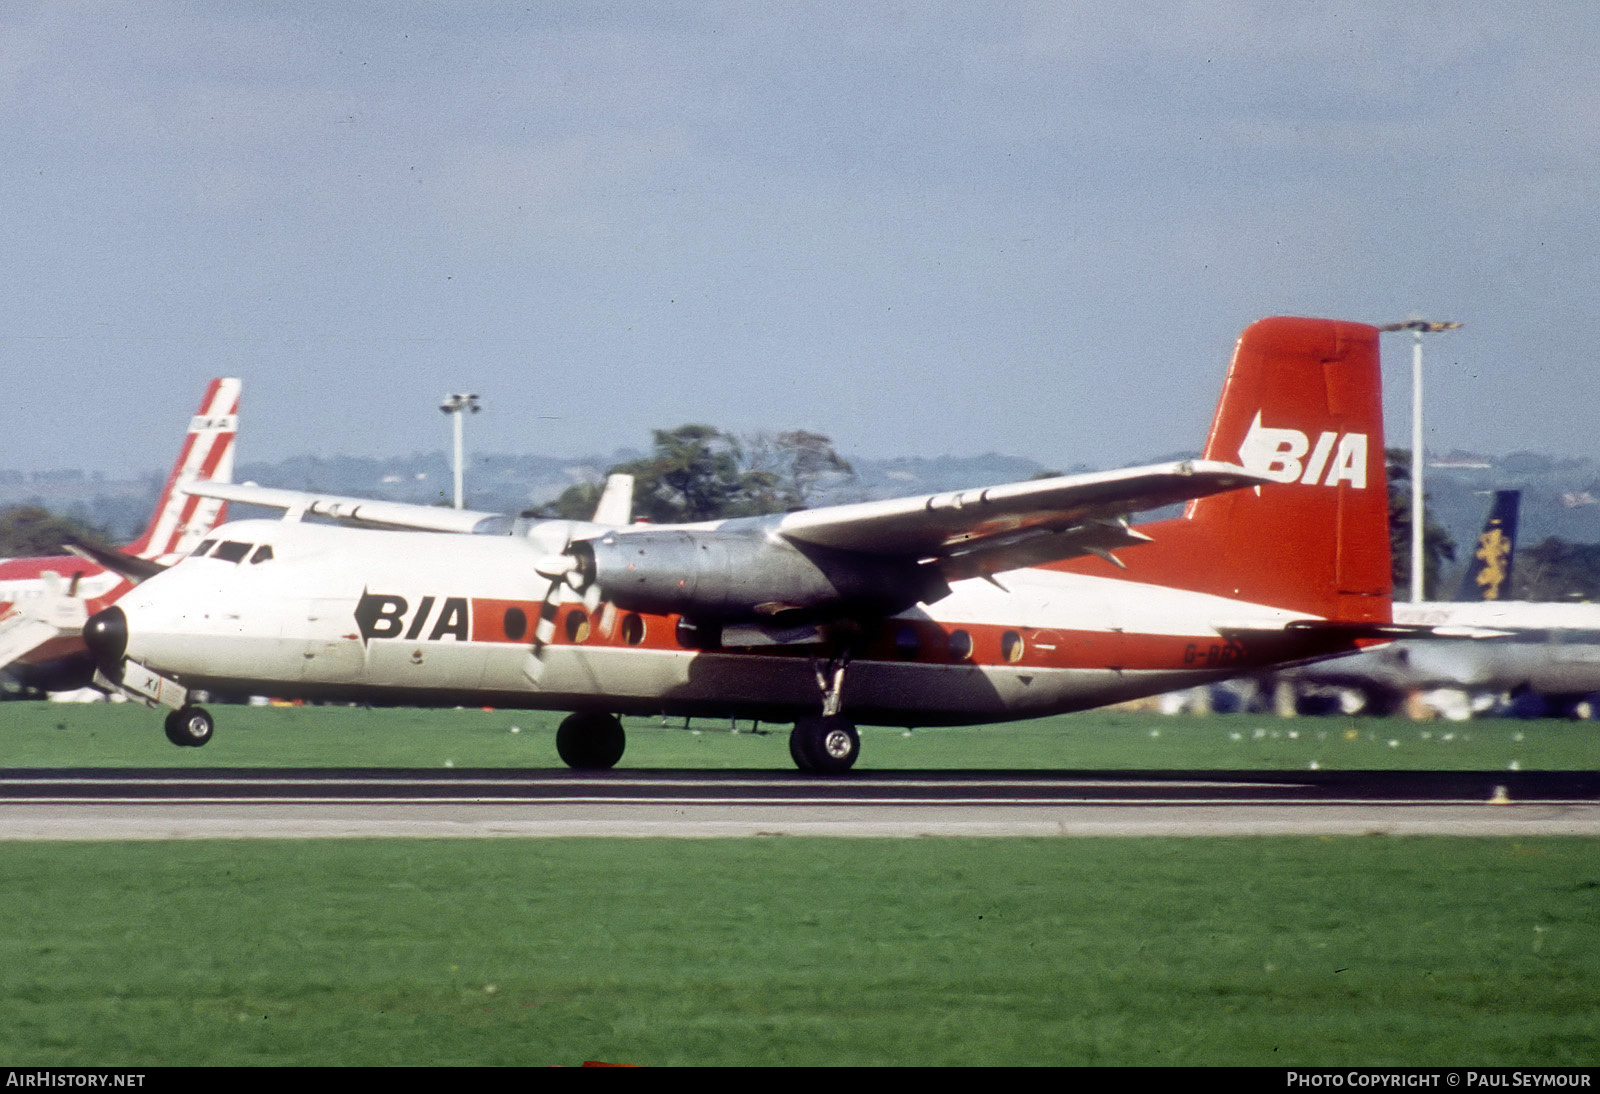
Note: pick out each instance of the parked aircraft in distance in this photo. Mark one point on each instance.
(44, 601)
(966, 607)
(1549, 650)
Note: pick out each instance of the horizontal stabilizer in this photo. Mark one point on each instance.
(132, 567)
(21, 633)
(1354, 630)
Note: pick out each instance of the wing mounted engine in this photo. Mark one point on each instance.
(735, 576)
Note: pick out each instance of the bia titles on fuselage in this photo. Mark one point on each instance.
(966, 607)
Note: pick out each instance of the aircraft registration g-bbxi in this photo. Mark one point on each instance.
(967, 607)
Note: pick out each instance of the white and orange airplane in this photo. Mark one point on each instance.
(968, 607)
(44, 601)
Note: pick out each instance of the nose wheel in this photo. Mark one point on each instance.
(190, 727)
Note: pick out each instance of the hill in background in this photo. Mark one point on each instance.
(1560, 495)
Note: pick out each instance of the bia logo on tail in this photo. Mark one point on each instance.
(181, 520)
(1281, 454)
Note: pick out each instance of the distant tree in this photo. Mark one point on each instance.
(694, 474)
(785, 471)
(576, 502)
(1437, 545)
(698, 472)
(29, 531)
(1559, 570)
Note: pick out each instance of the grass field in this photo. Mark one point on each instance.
(1337, 951)
(779, 951)
(125, 735)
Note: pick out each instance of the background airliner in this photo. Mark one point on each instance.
(44, 601)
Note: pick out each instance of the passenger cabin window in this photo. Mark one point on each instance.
(960, 646)
(263, 554)
(231, 551)
(1012, 646)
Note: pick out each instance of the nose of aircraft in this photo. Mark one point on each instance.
(106, 635)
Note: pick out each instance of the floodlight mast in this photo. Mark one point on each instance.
(1417, 327)
(453, 405)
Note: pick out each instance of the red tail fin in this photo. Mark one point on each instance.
(181, 520)
(1302, 403)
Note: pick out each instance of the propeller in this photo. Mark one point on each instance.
(567, 570)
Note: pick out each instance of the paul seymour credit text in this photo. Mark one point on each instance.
(1463, 1078)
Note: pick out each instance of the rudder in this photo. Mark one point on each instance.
(1489, 571)
(1303, 404)
(180, 520)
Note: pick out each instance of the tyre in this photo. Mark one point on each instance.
(588, 741)
(190, 727)
(824, 746)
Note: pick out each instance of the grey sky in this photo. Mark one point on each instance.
(919, 228)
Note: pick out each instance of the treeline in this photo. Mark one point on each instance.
(31, 531)
(698, 472)
(1557, 570)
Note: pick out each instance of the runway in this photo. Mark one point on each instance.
(109, 804)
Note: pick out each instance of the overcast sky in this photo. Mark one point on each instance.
(1032, 228)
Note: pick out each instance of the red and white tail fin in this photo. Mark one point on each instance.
(1303, 403)
(181, 520)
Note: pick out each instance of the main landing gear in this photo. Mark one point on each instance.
(821, 744)
(590, 740)
(827, 744)
(190, 727)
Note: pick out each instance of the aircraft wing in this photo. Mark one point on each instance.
(997, 528)
(359, 511)
(615, 506)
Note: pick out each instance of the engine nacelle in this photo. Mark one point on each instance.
(733, 576)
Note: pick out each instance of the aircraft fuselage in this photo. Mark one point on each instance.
(431, 619)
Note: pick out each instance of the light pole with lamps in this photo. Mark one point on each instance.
(454, 405)
(1417, 327)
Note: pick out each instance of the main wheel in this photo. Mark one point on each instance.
(591, 741)
(190, 727)
(824, 745)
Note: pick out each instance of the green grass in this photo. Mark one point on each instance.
(124, 735)
(786, 951)
(1264, 951)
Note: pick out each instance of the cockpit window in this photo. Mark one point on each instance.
(232, 551)
(263, 553)
(205, 546)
